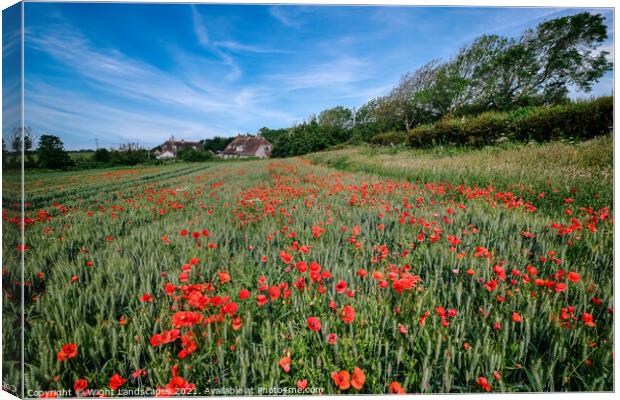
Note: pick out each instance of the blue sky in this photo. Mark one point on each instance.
(143, 72)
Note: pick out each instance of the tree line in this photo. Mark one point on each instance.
(491, 74)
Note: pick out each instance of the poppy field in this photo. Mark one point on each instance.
(292, 277)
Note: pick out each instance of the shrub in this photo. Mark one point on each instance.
(193, 155)
(388, 138)
(577, 120)
(101, 156)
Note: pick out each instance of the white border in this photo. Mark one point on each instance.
(484, 3)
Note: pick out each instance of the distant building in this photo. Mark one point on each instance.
(247, 146)
(170, 148)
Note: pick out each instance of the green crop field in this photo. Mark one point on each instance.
(359, 270)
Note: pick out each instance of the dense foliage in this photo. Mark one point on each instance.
(193, 155)
(576, 120)
(308, 137)
(216, 143)
(51, 153)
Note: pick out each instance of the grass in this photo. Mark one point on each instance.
(560, 169)
(414, 221)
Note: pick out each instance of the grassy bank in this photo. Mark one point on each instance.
(582, 171)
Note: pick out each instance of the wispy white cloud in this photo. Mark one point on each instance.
(147, 89)
(245, 48)
(288, 16)
(199, 28)
(202, 36)
(332, 73)
(111, 124)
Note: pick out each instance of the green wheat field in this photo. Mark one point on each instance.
(359, 270)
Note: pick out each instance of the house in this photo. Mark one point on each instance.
(247, 146)
(171, 147)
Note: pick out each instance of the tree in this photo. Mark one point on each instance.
(102, 156)
(565, 53)
(52, 154)
(217, 143)
(19, 135)
(410, 101)
(4, 155)
(498, 73)
(461, 82)
(272, 135)
(337, 117)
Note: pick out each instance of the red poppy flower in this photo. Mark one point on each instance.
(80, 385)
(67, 351)
(574, 277)
(484, 383)
(285, 364)
(560, 287)
(116, 381)
(224, 277)
(146, 297)
(516, 317)
(342, 379)
(157, 339)
(274, 293)
(285, 257)
(341, 287)
(244, 294)
(237, 323)
(261, 299)
(184, 232)
(314, 324)
(139, 372)
(317, 231)
(490, 285)
(332, 338)
(302, 384)
(424, 316)
(396, 388)
(588, 319)
(171, 335)
(347, 314)
(358, 379)
(186, 318)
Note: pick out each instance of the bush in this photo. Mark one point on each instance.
(193, 155)
(129, 157)
(578, 120)
(388, 138)
(101, 156)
